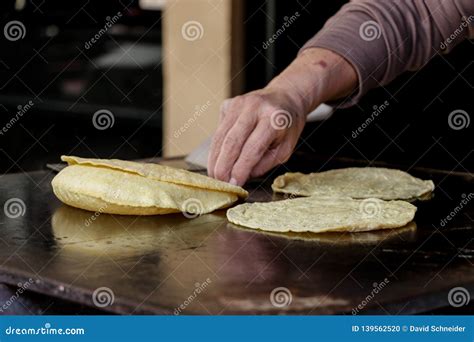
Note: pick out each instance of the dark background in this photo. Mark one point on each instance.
(68, 84)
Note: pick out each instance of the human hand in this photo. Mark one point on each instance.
(256, 132)
(259, 130)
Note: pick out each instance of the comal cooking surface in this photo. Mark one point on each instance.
(173, 264)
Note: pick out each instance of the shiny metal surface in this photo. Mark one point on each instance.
(175, 265)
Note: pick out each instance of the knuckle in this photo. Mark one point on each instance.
(244, 161)
(216, 143)
(226, 108)
(270, 112)
(255, 98)
(230, 142)
(253, 101)
(225, 104)
(236, 101)
(245, 121)
(259, 148)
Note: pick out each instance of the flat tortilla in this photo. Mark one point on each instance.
(319, 214)
(367, 182)
(129, 188)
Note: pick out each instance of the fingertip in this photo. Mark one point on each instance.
(238, 177)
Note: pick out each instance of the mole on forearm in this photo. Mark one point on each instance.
(322, 64)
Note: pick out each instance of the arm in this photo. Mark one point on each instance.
(383, 39)
(260, 129)
(366, 44)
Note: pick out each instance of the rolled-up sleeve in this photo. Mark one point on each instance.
(383, 39)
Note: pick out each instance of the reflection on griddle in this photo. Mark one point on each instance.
(406, 233)
(116, 235)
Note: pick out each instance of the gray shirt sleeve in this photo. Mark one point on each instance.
(384, 38)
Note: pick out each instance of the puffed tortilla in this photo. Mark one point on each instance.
(160, 173)
(130, 188)
(366, 182)
(319, 214)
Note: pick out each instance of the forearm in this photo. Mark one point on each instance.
(315, 76)
(382, 39)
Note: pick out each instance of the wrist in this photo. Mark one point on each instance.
(303, 80)
(288, 97)
(315, 76)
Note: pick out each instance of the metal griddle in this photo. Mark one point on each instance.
(154, 265)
